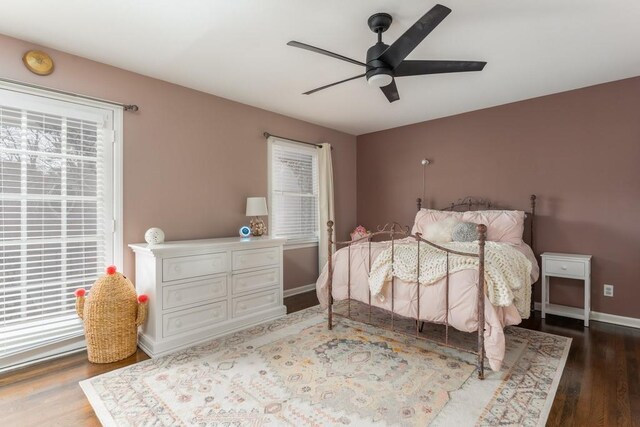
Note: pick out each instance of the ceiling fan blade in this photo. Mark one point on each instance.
(402, 47)
(333, 84)
(391, 91)
(324, 52)
(417, 68)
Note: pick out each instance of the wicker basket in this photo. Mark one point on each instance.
(111, 315)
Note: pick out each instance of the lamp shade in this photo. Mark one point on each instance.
(256, 206)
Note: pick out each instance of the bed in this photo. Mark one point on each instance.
(384, 274)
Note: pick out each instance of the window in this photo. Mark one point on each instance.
(57, 217)
(293, 191)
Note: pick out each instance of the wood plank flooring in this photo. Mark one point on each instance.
(600, 385)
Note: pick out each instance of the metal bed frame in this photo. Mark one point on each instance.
(392, 231)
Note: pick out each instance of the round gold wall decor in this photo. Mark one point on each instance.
(38, 62)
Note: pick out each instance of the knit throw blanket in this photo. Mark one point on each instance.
(507, 270)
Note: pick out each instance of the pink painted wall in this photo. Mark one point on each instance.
(579, 151)
(190, 158)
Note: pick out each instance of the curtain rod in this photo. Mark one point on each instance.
(267, 135)
(126, 107)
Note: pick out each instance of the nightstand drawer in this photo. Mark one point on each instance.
(565, 267)
(256, 258)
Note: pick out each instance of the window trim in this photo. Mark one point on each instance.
(290, 243)
(115, 174)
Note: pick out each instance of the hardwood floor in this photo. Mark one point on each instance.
(600, 385)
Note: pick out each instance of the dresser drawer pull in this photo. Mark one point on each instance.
(178, 323)
(564, 267)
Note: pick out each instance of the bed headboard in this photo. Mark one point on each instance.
(475, 204)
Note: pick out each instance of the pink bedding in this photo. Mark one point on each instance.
(462, 296)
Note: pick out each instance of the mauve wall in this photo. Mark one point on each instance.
(191, 159)
(579, 151)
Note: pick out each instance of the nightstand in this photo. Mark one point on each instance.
(571, 266)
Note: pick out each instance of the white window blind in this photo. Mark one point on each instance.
(293, 184)
(56, 210)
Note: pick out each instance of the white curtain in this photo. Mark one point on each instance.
(325, 175)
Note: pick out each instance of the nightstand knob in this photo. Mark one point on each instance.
(564, 267)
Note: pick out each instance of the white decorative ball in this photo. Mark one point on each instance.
(153, 236)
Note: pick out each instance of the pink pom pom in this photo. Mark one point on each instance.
(80, 292)
(111, 270)
(143, 298)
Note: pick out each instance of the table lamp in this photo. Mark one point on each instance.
(256, 207)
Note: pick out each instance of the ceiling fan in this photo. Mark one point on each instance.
(385, 62)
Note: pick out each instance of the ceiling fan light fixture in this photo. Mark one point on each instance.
(380, 80)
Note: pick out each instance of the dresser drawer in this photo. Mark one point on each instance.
(255, 280)
(252, 258)
(193, 318)
(254, 303)
(193, 266)
(194, 292)
(565, 268)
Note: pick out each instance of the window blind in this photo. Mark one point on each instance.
(55, 202)
(293, 191)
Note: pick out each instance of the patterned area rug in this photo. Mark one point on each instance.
(295, 372)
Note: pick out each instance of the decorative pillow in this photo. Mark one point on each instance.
(440, 231)
(426, 217)
(465, 232)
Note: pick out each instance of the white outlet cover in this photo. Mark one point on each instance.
(608, 290)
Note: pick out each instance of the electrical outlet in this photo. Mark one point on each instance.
(608, 290)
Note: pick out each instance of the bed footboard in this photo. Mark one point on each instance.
(392, 231)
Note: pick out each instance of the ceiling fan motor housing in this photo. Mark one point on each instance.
(378, 74)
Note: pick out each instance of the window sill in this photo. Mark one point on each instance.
(300, 244)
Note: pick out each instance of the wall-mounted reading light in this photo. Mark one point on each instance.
(424, 163)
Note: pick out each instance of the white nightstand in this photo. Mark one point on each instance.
(572, 266)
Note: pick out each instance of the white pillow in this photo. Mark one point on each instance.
(440, 231)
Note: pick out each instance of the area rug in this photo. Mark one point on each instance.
(295, 372)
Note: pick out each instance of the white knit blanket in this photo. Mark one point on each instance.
(507, 270)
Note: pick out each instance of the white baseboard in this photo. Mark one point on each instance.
(632, 322)
(614, 319)
(298, 290)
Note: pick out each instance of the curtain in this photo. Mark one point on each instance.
(325, 175)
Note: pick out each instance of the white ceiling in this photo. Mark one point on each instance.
(237, 49)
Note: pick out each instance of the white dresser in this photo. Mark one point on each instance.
(201, 289)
